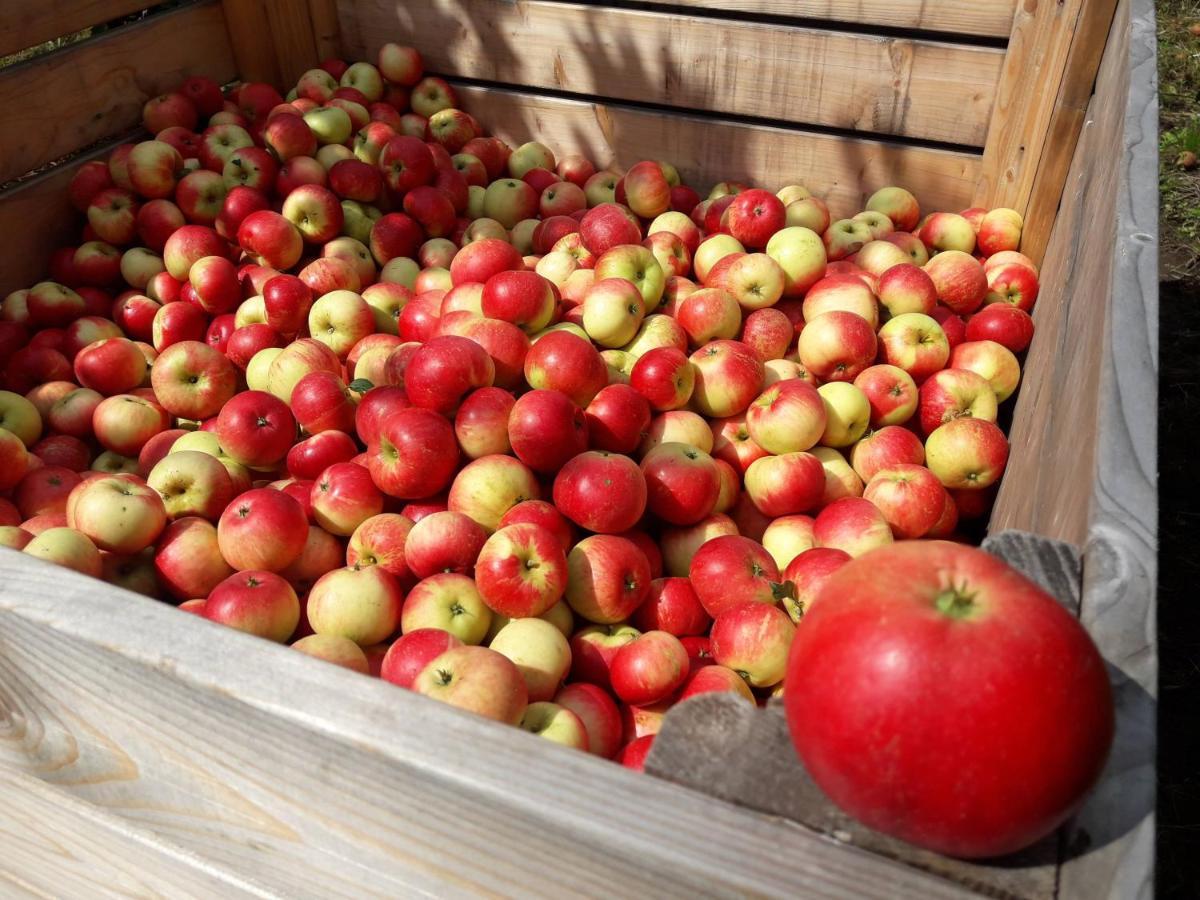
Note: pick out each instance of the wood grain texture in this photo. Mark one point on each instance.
(1034, 67)
(35, 219)
(1120, 571)
(295, 43)
(59, 103)
(56, 845)
(843, 171)
(251, 41)
(883, 85)
(327, 29)
(24, 25)
(721, 745)
(1085, 424)
(1066, 121)
(320, 782)
(991, 18)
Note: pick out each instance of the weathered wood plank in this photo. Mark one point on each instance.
(1035, 72)
(1070, 110)
(58, 103)
(56, 845)
(884, 85)
(35, 219)
(842, 170)
(992, 18)
(251, 41)
(327, 30)
(1120, 571)
(321, 782)
(24, 25)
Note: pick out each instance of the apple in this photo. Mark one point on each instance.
(959, 279)
(992, 361)
(443, 541)
(947, 232)
(905, 288)
(608, 578)
(730, 570)
(262, 529)
(785, 484)
(416, 454)
(362, 604)
(269, 239)
(118, 514)
(602, 492)
(297, 360)
(478, 680)
(489, 487)
(480, 260)
(910, 497)
(853, 525)
(787, 537)
(450, 602)
(256, 429)
(616, 419)
(967, 452)
(788, 416)
(539, 651)
(567, 363)
(219, 141)
(1037, 747)
(258, 603)
(673, 607)
(525, 299)
(330, 124)
(343, 497)
(649, 668)
(728, 377)
(847, 293)
(68, 548)
(657, 330)
(753, 639)
(915, 343)
(154, 168)
(606, 226)
(679, 545)
(481, 423)
(1013, 284)
(555, 723)
(1009, 326)
(836, 346)
(637, 265)
(410, 654)
(882, 449)
(546, 430)
(845, 237)
(952, 393)
(333, 649)
(192, 484)
(379, 541)
(891, 393)
(709, 314)
(682, 483)
(122, 424)
(74, 413)
(898, 205)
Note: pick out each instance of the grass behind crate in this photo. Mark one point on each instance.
(1179, 124)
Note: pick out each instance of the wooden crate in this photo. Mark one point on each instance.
(150, 752)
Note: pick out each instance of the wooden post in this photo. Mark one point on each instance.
(276, 41)
(1049, 70)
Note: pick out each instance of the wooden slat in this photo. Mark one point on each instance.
(326, 28)
(990, 18)
(58, 103)
(1120, 571)
(56, 845)
(250, 40)
(1066, 122)
(24, 25)
(844, 171)
(1085, 433)
(36, 218)
(295, 44)
(913, 88)
(1036, 72)
(320, 782)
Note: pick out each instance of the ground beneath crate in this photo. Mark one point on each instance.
(1178, 869)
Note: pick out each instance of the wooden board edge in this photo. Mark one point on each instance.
(610, 812)
(1120, 562)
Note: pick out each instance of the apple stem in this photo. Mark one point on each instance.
(955, 602)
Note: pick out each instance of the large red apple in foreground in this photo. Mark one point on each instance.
(972, 712)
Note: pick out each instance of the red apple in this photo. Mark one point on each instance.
(608, 577)
(730, 570)
(602, 492)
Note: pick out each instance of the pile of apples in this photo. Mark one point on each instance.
(555, 445)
